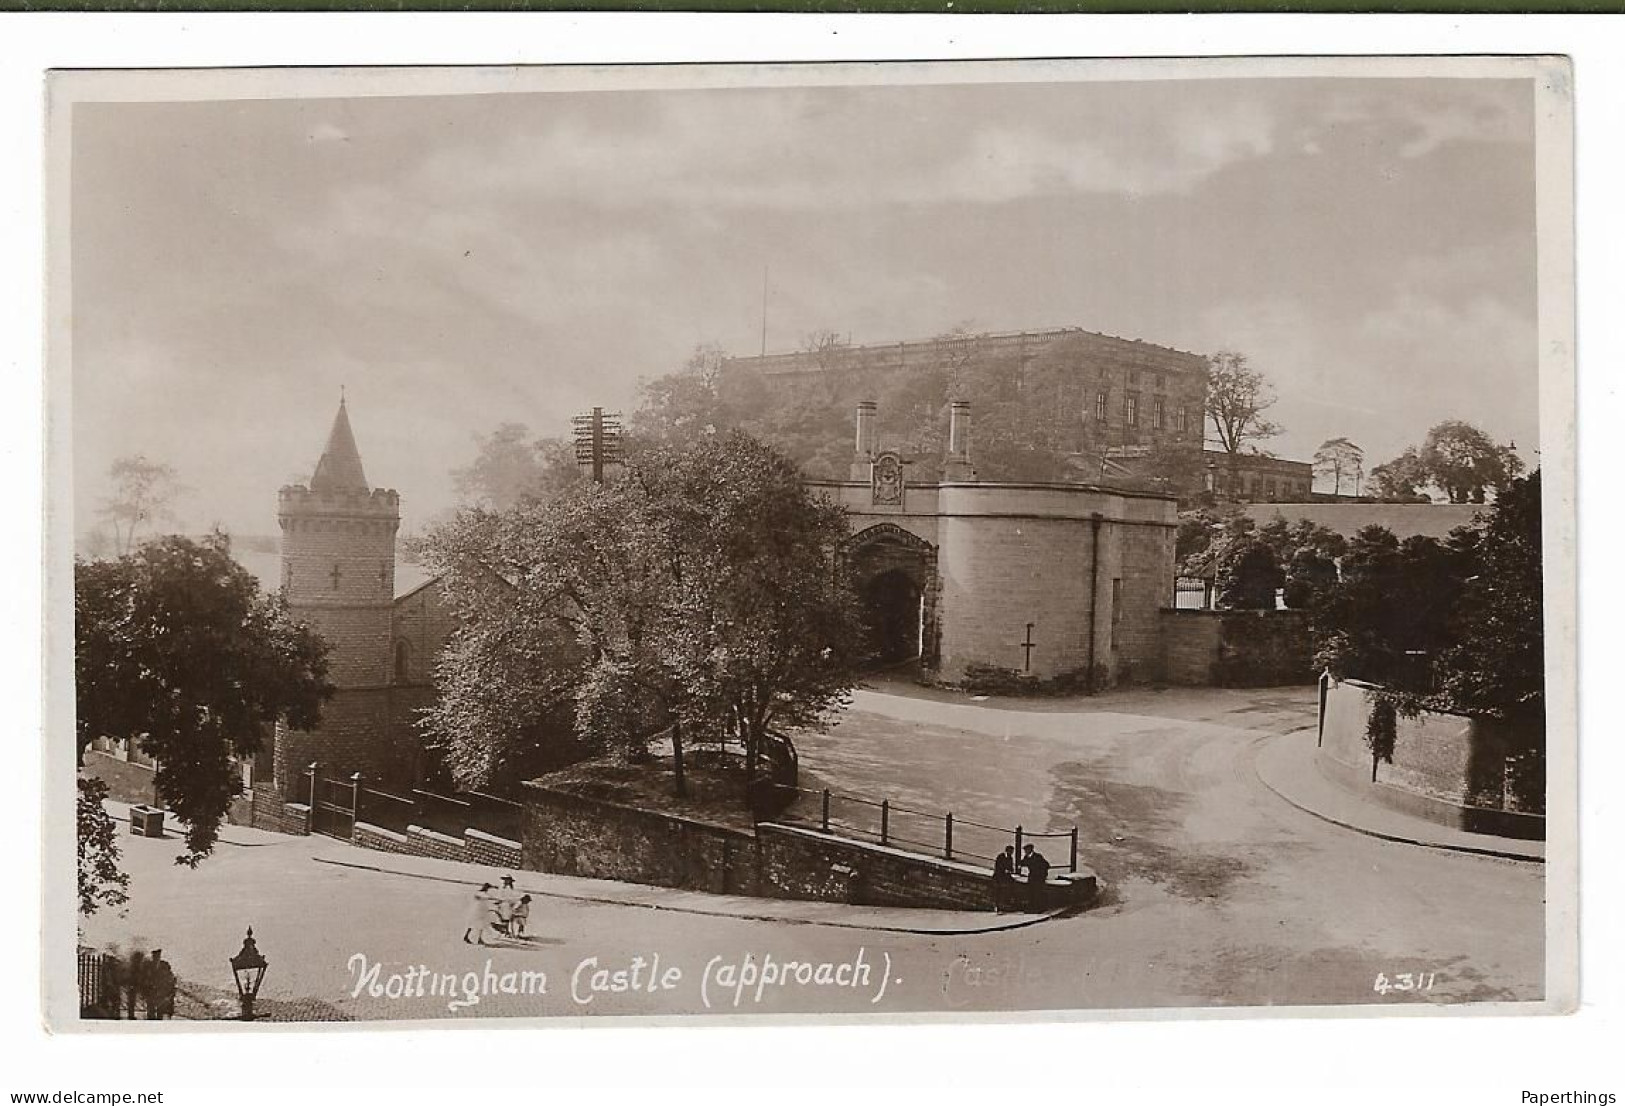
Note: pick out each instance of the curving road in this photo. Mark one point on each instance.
(1218, 892)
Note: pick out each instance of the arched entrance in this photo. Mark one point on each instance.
(891, 609)
(894, 574)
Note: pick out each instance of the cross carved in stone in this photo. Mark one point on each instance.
(336, 574)
(1028, 646)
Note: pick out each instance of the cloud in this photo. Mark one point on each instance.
(786, 153)
(1416, 121)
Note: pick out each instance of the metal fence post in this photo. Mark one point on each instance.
(355, 802)
(885, 820)
(948, 836)
(825, 818)
(1074, 848)
(310, 812)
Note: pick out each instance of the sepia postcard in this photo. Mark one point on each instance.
(884, 541)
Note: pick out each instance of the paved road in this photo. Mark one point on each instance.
(1219, 892)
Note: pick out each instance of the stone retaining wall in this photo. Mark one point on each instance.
(1236, 648)
(1447, 768)
(473, 847)
(572, 835)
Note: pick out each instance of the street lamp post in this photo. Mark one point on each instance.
(248, 969)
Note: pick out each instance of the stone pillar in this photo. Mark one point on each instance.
(958, 466)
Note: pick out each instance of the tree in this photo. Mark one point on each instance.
(178, 650)
(1497, 666)
(143, 492)
(764, 634)
(685, 404)
(510, 466)
(1249, 574)
(101, 882)
(1237, 397)
(1400, 480)
(1341, 460)
(1389, 620)
(697, 594)
(1465, 463)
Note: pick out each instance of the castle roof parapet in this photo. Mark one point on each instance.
(297, 498)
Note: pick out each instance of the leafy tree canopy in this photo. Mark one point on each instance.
(143, 495)
(1457, 458)
(511, 465)
(178, 650)
(1465, 463)
(1237, 397)
(698, 589)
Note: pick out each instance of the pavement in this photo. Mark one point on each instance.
(1288, 766)
(604, 892)
(1218, 892)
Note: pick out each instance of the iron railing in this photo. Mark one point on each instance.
(937, 833)
(336, 805)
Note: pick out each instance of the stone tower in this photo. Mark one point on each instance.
(338, 574)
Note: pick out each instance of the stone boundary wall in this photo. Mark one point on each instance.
(127, 781)
(571, 835)
(473, 847)
(1236, 648)
(1447, 768)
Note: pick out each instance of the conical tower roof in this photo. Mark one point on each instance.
(340, 470)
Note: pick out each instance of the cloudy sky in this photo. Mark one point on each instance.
(459, 261)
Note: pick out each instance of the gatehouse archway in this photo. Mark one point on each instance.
(894, 574)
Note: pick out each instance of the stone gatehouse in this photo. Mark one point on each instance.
(1048, 584)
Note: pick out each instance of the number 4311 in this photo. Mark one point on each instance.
(1404, 981)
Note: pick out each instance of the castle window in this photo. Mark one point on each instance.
(1184, 419)
(1100, 405)
(1131, 408)
(1157, 414)
(403, 661)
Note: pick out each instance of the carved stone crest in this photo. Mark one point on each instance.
(886, 480)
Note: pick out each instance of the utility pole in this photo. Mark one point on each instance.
(598, 441)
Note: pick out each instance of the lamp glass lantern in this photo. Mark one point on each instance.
(248, 970)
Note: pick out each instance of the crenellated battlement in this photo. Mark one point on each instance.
(299, 501)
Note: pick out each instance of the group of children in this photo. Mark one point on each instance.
(503, 912)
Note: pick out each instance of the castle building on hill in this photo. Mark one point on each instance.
(338, 575)
(1127, 399)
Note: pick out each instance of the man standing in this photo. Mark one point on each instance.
(1004, 878)
(1037, 872)
(160, 987)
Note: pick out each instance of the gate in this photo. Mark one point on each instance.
(332, 804)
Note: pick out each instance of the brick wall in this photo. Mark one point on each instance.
(473, 847)
(1447, 768)
(1235, 648)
